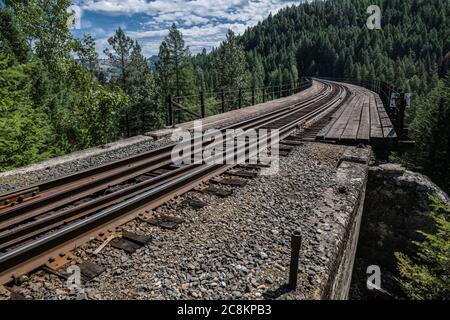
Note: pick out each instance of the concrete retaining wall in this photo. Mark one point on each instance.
(353, 168)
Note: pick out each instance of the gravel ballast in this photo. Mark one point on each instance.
(94, 157)
(77, 162)
(233, 248)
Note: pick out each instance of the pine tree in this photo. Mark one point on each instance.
(232, 64)
(424, 276)
(175, 72)
(432, 134)
(87, 53)
(144, 111)
(175, 58)
(12, 40)
(24, 130)
(120, 54)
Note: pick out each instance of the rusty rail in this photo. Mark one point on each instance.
(105, 213)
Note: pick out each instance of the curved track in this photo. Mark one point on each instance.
(60, 215)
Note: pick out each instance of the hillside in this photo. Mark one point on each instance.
(330, 38)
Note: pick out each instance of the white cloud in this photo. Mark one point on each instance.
(204, 23)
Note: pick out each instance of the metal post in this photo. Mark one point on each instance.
(142, 120)
(172, 112)
(264, 94)
(127, 120)
(296, 242)
(223, 100)
(169, 110)
(202, 104)
(253, 96)
(240, 98)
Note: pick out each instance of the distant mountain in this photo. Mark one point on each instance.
(109, 69)
(105, 66)
(153, 60)
(330, 38)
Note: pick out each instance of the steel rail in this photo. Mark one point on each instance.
(23, 232)
(18, 257)
(71, 193)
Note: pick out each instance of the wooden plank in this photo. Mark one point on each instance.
(351, 130)
(339, 126)
(364, 127)
(388, 128)
(322, 133)
(376, 129)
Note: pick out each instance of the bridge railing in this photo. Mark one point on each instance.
(394, 100)
(206, 103)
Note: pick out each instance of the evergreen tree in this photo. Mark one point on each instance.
(24, 130)
(178, 54)
(87, 53)
(120, 54)
(12, 40)
(432, 134)
(165, 72)
(176, 72)
(175, 64)
(144, 108)
(424, 276)
(232, 64)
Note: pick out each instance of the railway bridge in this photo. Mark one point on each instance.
(137, 225)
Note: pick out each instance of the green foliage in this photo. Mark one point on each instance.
(232, 64)
(98, 115)
(49, 101)
(12, 40)
(175, 69)
(120, 54)
(330, 38)
(45, 24)
(86, 52)
(431, 131)
(137, 81)
(426, 276)
(145, 112)
(24, 130)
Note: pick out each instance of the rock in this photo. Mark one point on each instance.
(392, 168)
(185, 286)
(234, 247)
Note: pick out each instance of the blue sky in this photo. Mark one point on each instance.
(203, 22)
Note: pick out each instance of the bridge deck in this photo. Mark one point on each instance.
(362, 119)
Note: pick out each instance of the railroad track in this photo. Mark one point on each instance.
(38, 223)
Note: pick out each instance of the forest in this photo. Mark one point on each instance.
(55, 100)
